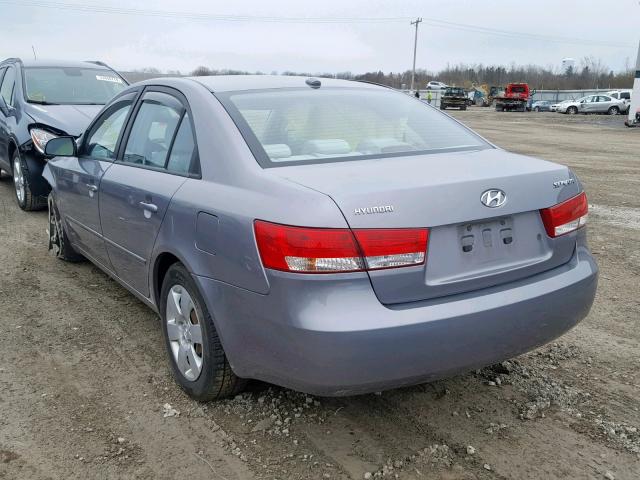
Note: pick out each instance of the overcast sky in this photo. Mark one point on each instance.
(184, 41)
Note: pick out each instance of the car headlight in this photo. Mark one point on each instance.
(40, 138)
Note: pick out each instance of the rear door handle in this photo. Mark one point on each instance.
(151, 207)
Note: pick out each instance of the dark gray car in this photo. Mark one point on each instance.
(329, 236)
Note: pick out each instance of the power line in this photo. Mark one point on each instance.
(195, 16)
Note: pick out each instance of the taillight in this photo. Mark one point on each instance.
(566, 217)
(332, 250)
(392, 247)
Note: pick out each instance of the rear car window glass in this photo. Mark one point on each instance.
(71, 85)
(289, 126)
(183, 149)
(106, 131)
(625, 96)
(153, 130)
(8, 85)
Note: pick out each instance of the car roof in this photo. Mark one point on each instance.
(228, 83)
(61, 63)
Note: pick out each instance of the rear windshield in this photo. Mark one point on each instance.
(294, 126)
(71, 86)
(454, 91)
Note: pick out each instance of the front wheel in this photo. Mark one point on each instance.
(572, 110)
(536, 109)
(197, 358)
(613, 111)
(22, 181)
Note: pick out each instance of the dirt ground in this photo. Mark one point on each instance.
(85, 391)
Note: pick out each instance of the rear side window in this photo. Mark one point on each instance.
(104, 135)
(153, 130)
(625, 96)
(8, 85)
(183, 150)
(292, 126)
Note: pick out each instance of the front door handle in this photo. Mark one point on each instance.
(151, 207)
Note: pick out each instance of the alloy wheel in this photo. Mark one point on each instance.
(184, 330)
(18, 180)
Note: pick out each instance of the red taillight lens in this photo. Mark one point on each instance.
(392, 247)
(331, 250)
(566, 216)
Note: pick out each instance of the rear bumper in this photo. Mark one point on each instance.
(331, 336)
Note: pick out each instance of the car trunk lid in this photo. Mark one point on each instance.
(471, 246)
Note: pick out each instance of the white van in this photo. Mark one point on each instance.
(624, 95)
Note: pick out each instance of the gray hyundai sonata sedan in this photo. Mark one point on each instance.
(329, 236)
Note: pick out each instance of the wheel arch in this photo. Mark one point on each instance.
(161, 265)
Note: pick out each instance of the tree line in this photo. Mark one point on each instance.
(589, 73)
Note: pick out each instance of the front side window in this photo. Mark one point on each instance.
(153, 130)
(103, 139)
(71, 85)
(290, 126)
(8, 85)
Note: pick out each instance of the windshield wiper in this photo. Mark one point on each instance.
(42, 102)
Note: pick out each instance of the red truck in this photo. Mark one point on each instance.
(514, 97)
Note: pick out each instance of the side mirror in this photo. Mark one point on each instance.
(61, 147)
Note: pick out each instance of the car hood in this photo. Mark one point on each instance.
(71, 119)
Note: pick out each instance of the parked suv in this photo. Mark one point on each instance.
(41, 100)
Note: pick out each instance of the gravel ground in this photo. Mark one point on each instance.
(85, 392)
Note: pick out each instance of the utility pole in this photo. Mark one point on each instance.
(415, 47)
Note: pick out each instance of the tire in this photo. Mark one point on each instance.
(536, 109)
(443, 107)
(200, 368)
(613, 111)
(464, 107)
(572, 110)
(59, 243)
(499, 108)
(27, 201)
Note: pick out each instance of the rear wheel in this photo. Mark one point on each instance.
(59, 243)
(572, 110)
(197, 359)
(613, 111)
(22, 183)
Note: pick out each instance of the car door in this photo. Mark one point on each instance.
(138, 188)
(78, 179)
(586, 104)
(604, 103)
(7, 123)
